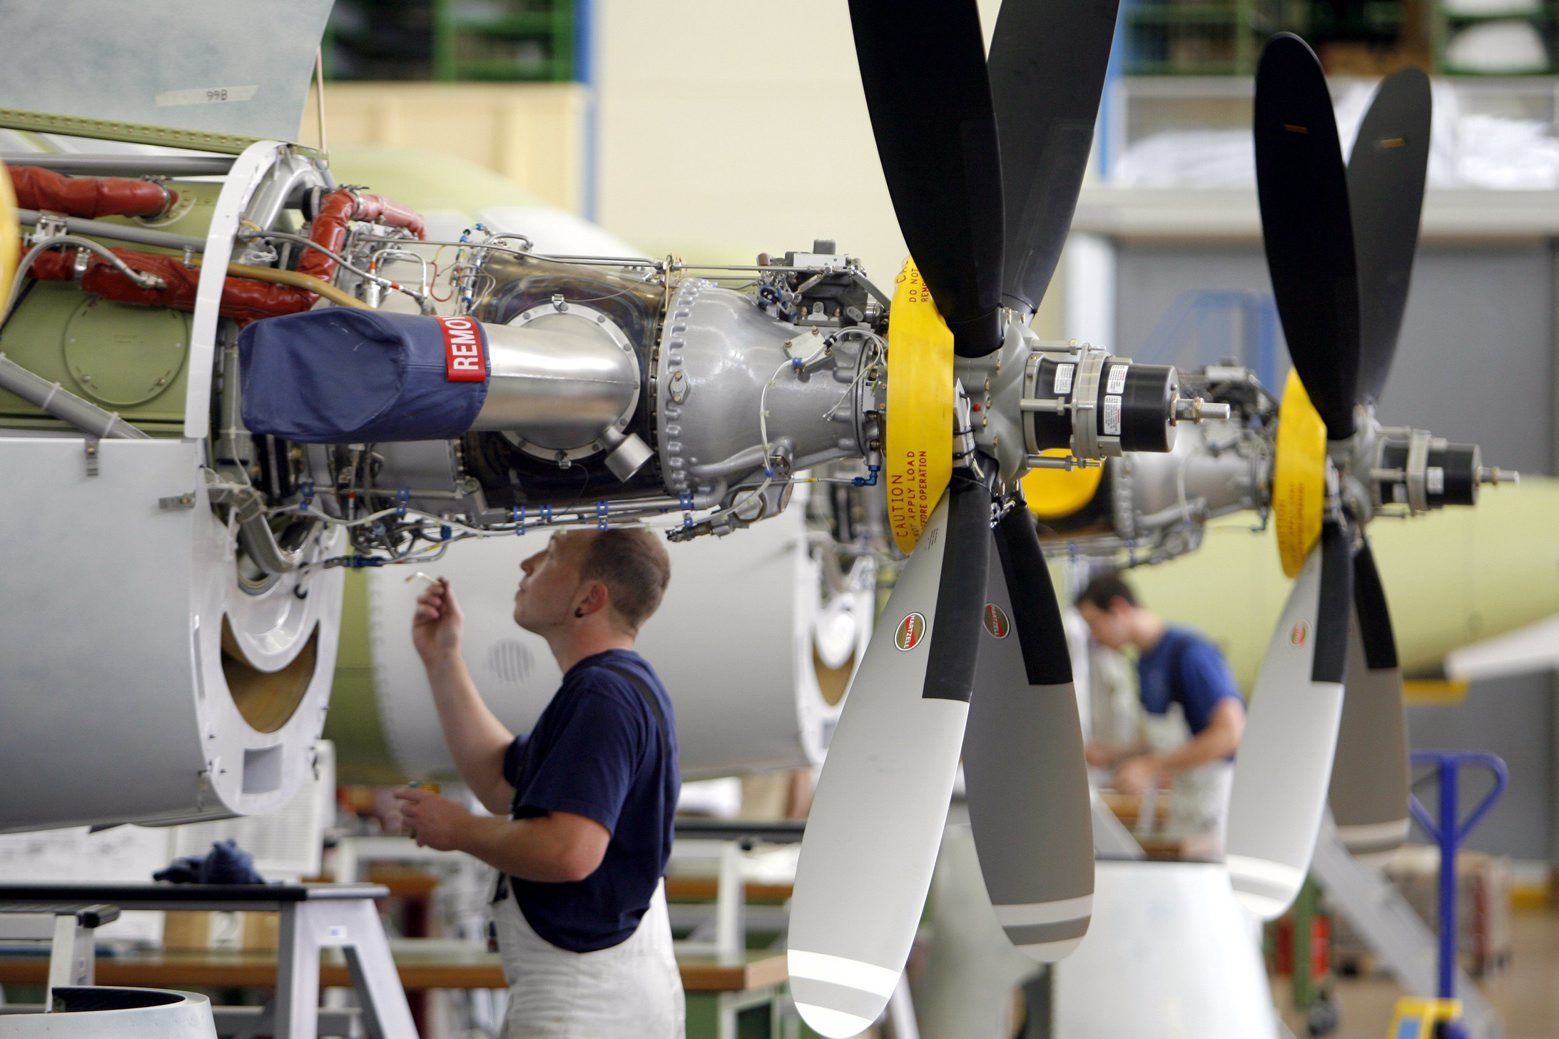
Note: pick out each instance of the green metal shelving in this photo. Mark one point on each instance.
(1198, 37)
(451, 40)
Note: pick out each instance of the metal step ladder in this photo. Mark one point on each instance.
(1396, 934)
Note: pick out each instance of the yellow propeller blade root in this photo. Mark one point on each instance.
(10, 234)
(918, 450)
(1055, 494)
(1298, 476)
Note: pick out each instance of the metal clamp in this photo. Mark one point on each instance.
(1417, 471)
(1085, 391)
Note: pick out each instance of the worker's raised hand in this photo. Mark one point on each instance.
(433, 821)
(437, 625)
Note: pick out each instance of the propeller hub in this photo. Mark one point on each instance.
(1415, 469)
(1032, 397)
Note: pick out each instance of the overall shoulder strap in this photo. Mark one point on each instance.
(649, 697)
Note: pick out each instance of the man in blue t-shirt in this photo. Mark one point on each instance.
(1180, 675)
(582, 805)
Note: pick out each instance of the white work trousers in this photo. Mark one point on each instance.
(1199, 798)
(632, 990)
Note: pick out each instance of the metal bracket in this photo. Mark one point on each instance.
(177, 501)
(89, 448)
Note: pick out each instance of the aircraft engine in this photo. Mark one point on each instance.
(213, 387)
(1146, 508)
(565, 390)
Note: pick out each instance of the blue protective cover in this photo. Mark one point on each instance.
(343, 375)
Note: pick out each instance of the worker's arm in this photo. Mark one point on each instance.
(551, 848)
(1108, 755)
(477, 740)
(1218, 740)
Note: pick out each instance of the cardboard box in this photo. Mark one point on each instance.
(1483, 906)
(221, 930)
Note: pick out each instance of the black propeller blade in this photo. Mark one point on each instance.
(1306, 227)
(1024, 772)
(1386, 190)
(1370, 792)
(1285, 758)
(1369, 788)
(930, 103)
(881, 803)
(1047, 70)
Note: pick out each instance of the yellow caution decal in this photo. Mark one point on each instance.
(1054, 494)
(10, 233)
(1298, 476)
(917, 460)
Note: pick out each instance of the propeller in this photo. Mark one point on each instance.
(930, 103)
(881, 802)
(1369, 791)
(1047, 69)
(1340, 244)
(1306, 227)
(1386, 188)
(1279, 788)
(1024, 771)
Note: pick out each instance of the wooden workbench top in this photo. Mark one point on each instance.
(421, 964)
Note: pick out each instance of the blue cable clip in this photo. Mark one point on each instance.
(517, 516)
(444, 533)
(402, 497)
(363, 562)
(306, 488)
(546, 513)
(601, 510)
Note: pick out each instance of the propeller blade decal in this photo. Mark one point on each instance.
(1047, 69)
(1285, 756)
(1024, 773)
(923, 68)
(1370, 776)
(1386, 190)
(1305, 227)
(881, 802)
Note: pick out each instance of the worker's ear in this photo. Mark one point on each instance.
(592, 597)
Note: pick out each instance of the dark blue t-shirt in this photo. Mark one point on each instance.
(597, 751)
(1185, 668)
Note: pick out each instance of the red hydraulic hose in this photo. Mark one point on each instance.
(243, 299)
(88, 197)
(339, 207)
